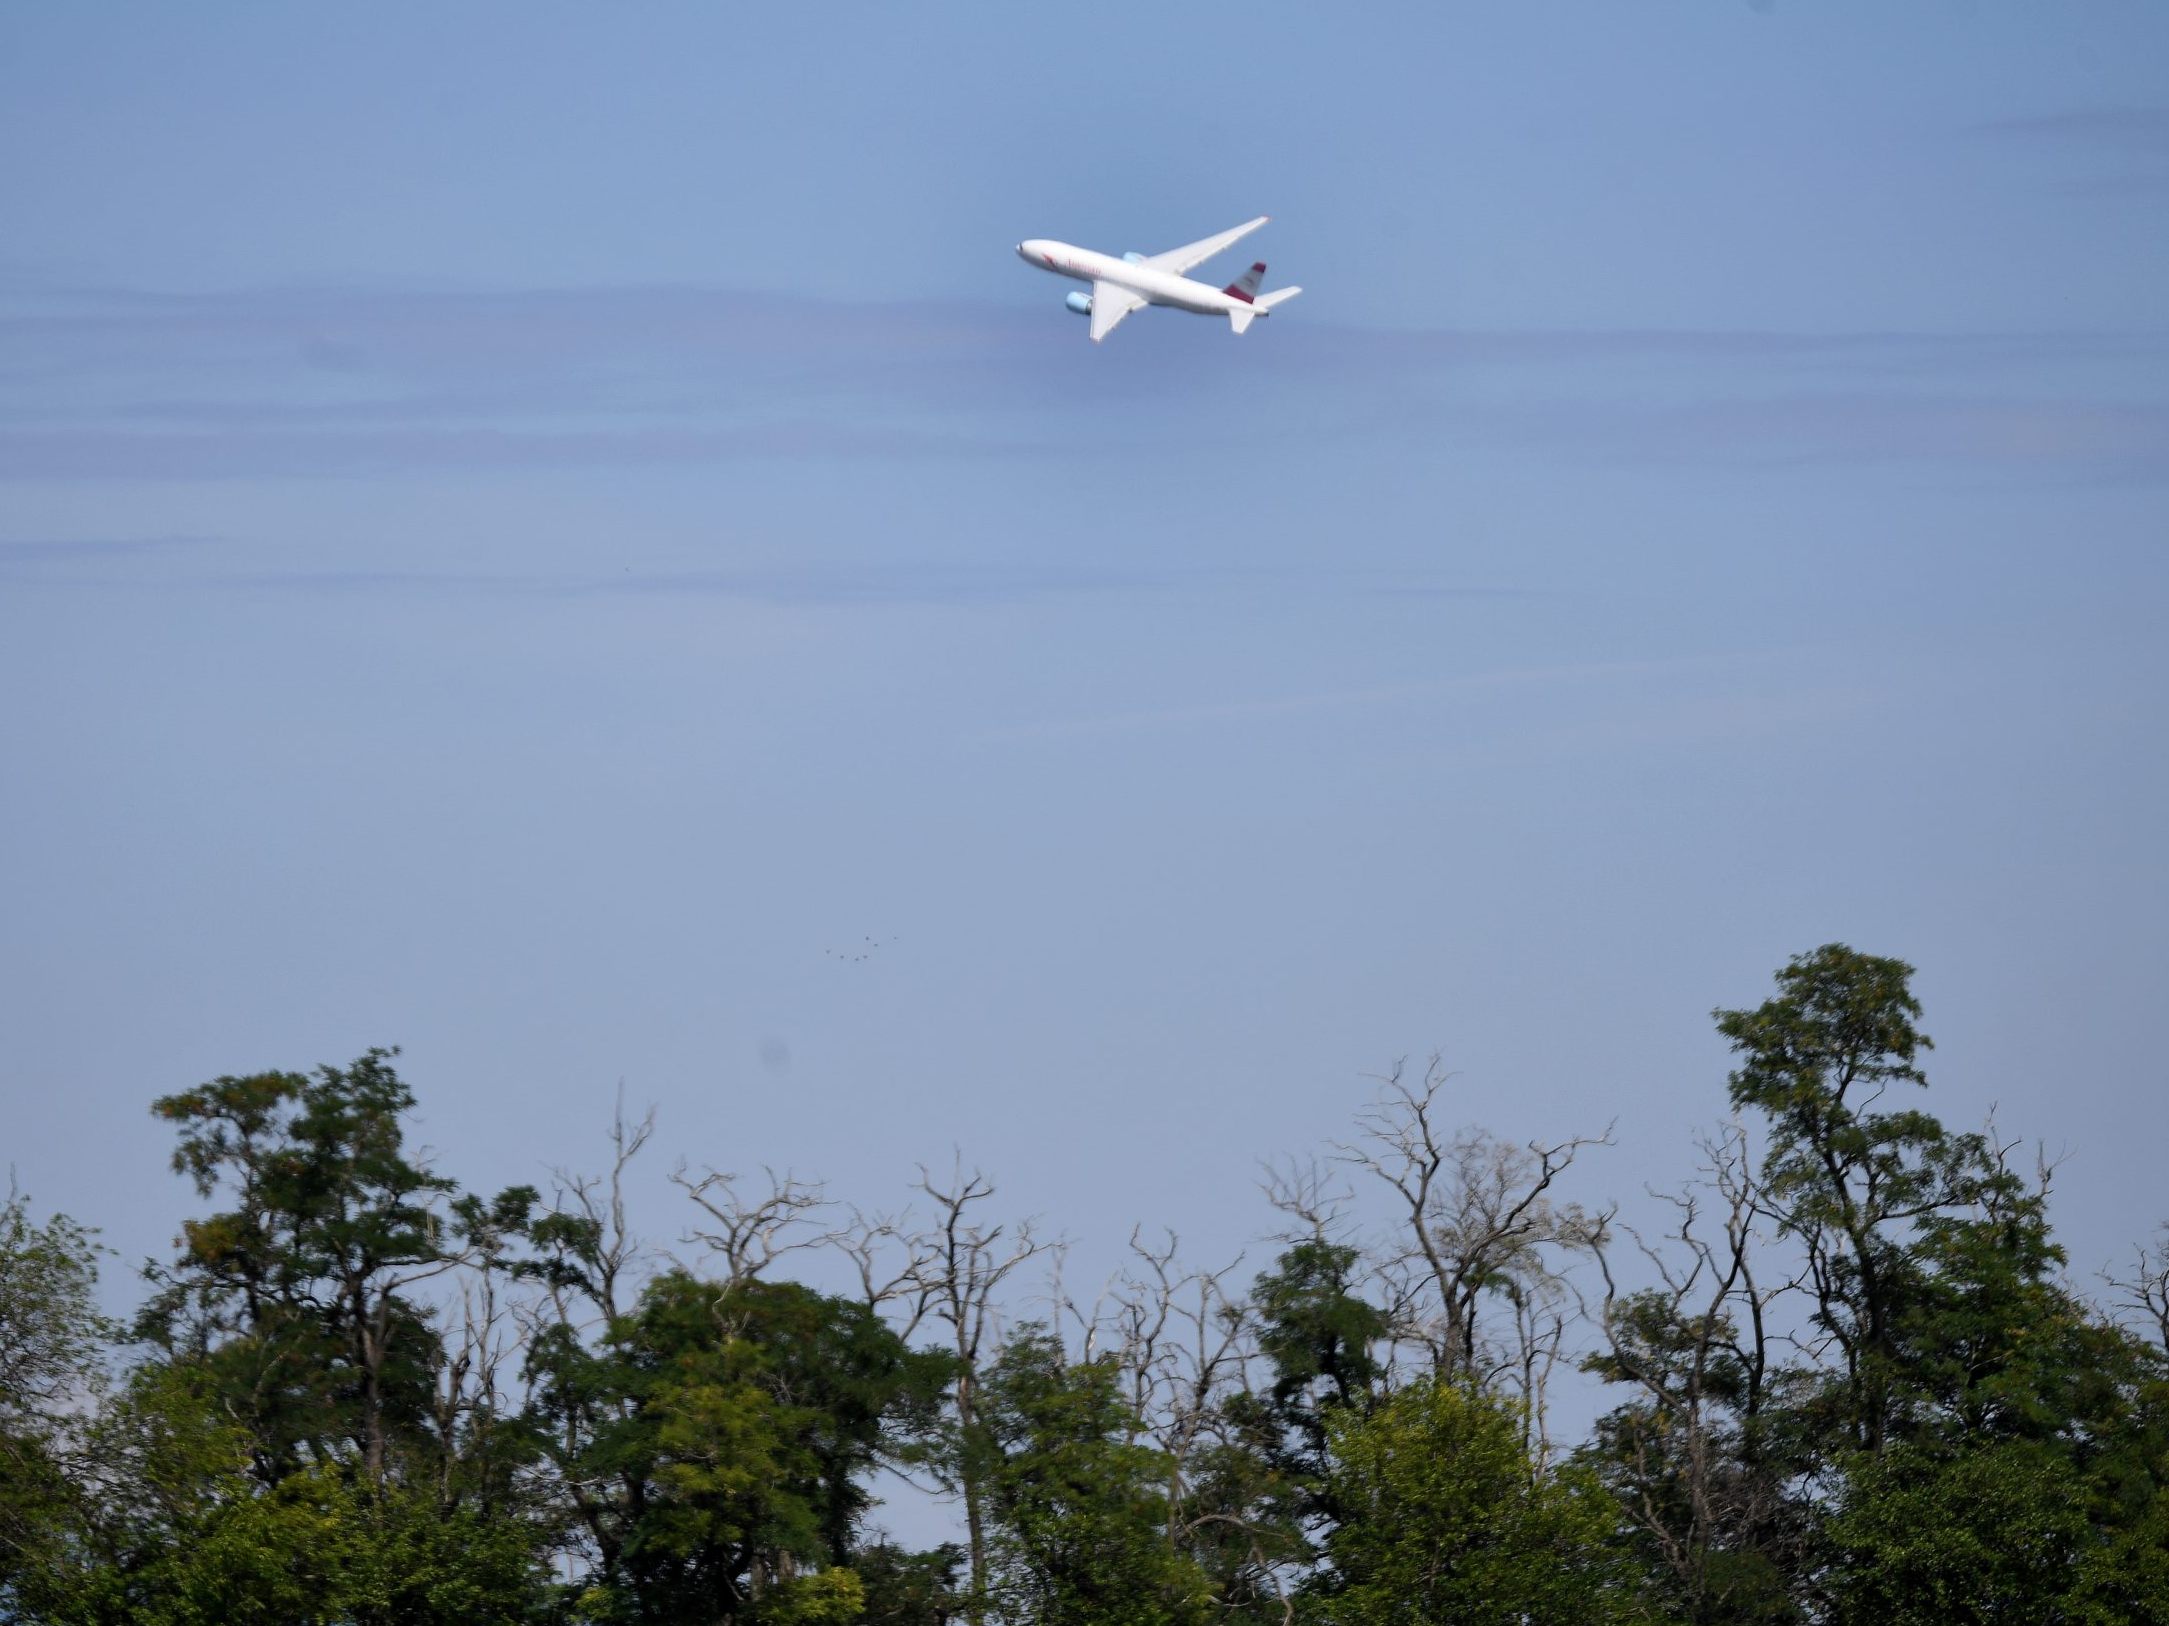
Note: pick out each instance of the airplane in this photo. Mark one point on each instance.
(1137, 280)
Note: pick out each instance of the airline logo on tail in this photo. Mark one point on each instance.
(1245, 287)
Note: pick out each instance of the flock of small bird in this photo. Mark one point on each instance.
(867, 949)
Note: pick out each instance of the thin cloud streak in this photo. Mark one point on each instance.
(121, 454)
(2144, 129)
(2097, 135)
(332, 383)
(930, 585)
(1356, 699)
(30, 562)
(38, 550)
(922, 583)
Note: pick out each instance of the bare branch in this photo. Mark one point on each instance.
(1478, 1220)
(959, 1267)
(2146, 1290)
(1309, 1193)
(752, 1232)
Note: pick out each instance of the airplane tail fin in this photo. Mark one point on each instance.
(1254, 304)
(1245, 287)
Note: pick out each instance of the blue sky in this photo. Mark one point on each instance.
(523, 528)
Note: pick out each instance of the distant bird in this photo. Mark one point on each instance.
(853, 956)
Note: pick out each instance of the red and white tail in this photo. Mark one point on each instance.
(1245, 287)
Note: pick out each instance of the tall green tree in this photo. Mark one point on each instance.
(1844, 1175)
(303, 1294)
(899, 1587)
(1718, 1513)
(324, 1549)
(1923, 1537)
(170, 1527)
(1445, 1521)
(1719, 1529)
(1321, 1338)
(1259, 1493)
(715, 1446)
(1077, 1507)
(1986, 1435)
(53, 1344)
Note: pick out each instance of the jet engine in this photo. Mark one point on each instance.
(1081, 303)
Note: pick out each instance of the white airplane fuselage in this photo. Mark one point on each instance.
(1155, 287)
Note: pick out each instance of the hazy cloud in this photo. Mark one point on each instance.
(2118, 136)
(334, 382)
(103, 547)
(1565, 675)
(123, 454)
(30, 561)
(813, 582)
(2132, 129)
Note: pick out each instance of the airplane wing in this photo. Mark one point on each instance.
(1110, 305)
(1180, 260)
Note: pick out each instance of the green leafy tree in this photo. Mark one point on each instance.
(175, 1530)
(1077, 1511)
(321, 1549)
(715, 1447)
(301, 1297)
(1986, 1436)
(1857, 1184)
(53, 1342)
(862, 1398)
(2042, 1494)
(369, 1398)
(1718, 1517)
(2123, 1578)
(52, 1335)
(1716, 1526)
(1241, 1515)
(1257, 1492)
(1321, 1338)
(1446, 1522)
(1928, 1538)
(904, 1588)
(832, 1597)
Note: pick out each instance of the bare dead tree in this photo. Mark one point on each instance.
(483, 1333)
(609, 1251)
(1185, 1344)
(1211, 1356)
(590, 1260)
(1189, 1345)
(750, 1232)
(1062, 1305)
(890, 1260)
(1477, 1219)
(1176, 1334)
(1142, 1309)
(1697, 1347)
(961, 1265)
(2145, 1291)
(1309, 1193)
(1542, 1307)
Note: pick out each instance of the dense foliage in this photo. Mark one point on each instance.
(1847, 1381)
